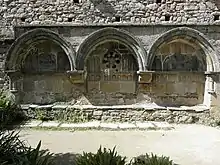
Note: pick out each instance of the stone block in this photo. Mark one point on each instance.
(93, 85)
(44, 106)
(33, 106)
(159, 88)
(94, 124)
(25, 106)
(34, 123)
(145, 77)
(49, 124)
(60, 107)
(97, 113)
(77, 78)
(28, 85)
(145, 88)
(159, 78)
(110, 86)
(144, 98)
(130, 101)
(126, 125)
(172, 77)
(41, 85)
(127, 86)
(163, 125)
(146, 125)
(109, 125)
(183, 77)
(215, 112)
(179, 88)
(191, 88)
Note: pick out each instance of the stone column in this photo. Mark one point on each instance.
(215, 96)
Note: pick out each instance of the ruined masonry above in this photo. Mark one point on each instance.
(21, 12)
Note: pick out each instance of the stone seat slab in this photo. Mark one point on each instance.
(145, 125)
(109, 125)
(59, 106)
(33, 106)
(50, 124)
(126, 125)
(162, 125)
(49, 106)
(94, 124)
(33, 123)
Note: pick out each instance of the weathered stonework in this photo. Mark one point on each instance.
(106, 53)
(120, 114)
(107, 11)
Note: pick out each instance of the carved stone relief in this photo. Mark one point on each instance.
(177, 56)
(180, 79)
(44, 56)
(114, 63)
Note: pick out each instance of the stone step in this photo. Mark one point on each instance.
(100, 125)
(198, 108)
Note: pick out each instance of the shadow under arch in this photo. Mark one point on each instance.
(196, 38)
(192, 36)
(32, 36)
(109, 34)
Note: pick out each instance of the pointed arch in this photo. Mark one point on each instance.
(192, 36)
(32, 36)
(111, 34)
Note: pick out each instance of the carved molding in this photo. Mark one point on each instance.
(76, 76)
(145, 77)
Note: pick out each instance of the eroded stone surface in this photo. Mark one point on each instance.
(102, 60)
(49, 124)
(109, 125)
(34, 123)
(28, 12)
(123, 114)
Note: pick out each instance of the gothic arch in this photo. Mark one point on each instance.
(192, 36)
(196, 39)
(32, 36)
(110, 34)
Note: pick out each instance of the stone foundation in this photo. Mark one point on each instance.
(119, 113)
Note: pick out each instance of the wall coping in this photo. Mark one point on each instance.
(149, 107)
(117, 24)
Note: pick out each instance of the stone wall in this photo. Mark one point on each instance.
(74, 114)
(164, 88)
(19, 12)
(175, 88)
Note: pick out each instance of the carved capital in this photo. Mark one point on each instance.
(76, 76)
(145, 77)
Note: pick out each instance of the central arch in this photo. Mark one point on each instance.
(111, 34)
(111, 58)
